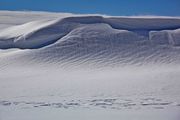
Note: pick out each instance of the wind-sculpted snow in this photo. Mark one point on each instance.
(96, 39)
(171, 37)
(38, 34)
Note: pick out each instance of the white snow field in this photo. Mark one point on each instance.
(62, 66)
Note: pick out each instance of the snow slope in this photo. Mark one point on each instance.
(67, 66)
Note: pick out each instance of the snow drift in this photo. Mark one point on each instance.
(38, 34)
(165, 37)
(96, 39)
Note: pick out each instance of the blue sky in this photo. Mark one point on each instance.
(110, 7)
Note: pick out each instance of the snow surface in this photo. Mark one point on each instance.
(67, 66)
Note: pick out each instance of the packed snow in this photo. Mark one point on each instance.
(69, 66)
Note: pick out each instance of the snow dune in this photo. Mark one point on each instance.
(92, 39)
(41, 33)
